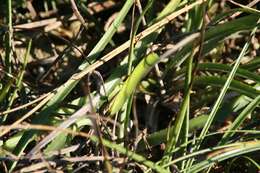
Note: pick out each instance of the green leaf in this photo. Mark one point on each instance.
(235, 85)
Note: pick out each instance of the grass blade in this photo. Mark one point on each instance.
(223, 92)
(239, 120)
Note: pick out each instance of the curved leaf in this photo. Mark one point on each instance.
(133, 80)
(235, 85)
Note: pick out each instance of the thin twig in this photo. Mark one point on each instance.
(179, 45)
(251, 4)
(42, 103)
(77, 14)
(25, 105)
(97, 129)
(65, 51)
(139, 6)
(40, 23)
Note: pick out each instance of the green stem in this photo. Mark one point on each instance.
(20, 78)
(8, 58)
(130, 154)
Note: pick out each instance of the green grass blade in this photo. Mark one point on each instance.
(215, 152)
(20, 77)
(161, 136)
(5, 90)
(215, 35)
(132, 155)
(9, 38)
(247, 158)
(235, 85)
(252, 65)
(134, 30)
(224, 154)
(239, 120)
(241, 72)
(223, 92)
(226, 68)
(143, 45)
(175, 132)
